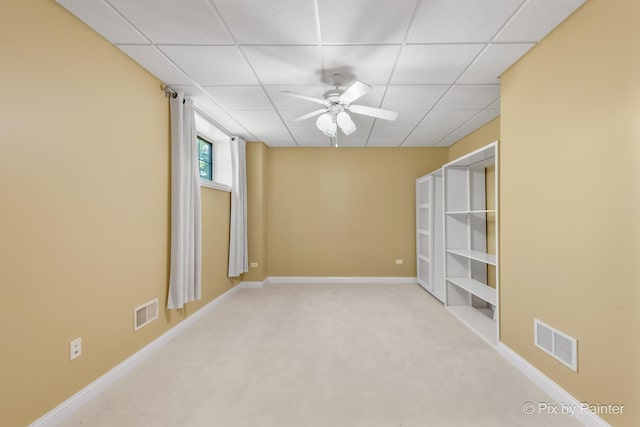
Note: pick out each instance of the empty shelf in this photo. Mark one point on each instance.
(477, 255)
(477, 288)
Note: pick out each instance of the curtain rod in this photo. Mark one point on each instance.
(168, 91)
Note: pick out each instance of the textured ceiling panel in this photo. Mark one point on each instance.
(211, 65)
(270, 21)
(461, 21)
(105, 20)
(435, 62)
(365, 21)
(174, 22)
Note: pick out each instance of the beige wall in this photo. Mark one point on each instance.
(345, 211)
(482, 136)
(257, 210)
(570, 202)
(84, 214)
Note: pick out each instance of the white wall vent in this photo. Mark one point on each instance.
(145, 314)
(557, 344)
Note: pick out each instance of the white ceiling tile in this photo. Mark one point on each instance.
(156, 63)
(384, 142)
(371, 64)
(215, 111)
(286, 65)
(284, 102)
(460, 21)
(211, 65)
(453, 118)
(281, 144)
(306, 132)
(416, 141)
(536, 19)
(212, 110)
(257, 119)
(351, 143)
(494, 106)
(448, 141)
(480, 119)
(413, 97)
(455, 137)
(270, 21)
(271, 133)
(406, 118)
(364, 21)
(323, 142)
(469, 96)
(240, 97)
(389, 133)
(170, 21)
(432, 133)
(242, 134)
(433, 64)
(493, 62)
(188, 90)
(105, 20)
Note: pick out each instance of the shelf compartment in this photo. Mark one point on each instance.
(477, 288)
(475, 255)
(482, 325)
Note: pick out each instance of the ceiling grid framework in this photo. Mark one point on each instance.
(436, 62)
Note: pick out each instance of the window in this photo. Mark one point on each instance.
(214, 154)
(205, 155)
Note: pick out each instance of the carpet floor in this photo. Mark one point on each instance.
(323, 355)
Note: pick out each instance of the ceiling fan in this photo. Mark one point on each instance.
(336, 103)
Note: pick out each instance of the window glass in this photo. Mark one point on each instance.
(205, 155)
(215, 164)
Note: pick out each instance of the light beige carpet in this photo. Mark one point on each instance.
(323, 355)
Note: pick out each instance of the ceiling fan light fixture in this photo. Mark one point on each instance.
(327, 125)
(346, 124)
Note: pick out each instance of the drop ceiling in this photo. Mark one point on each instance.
(435, 62)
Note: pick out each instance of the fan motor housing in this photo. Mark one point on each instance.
(333, 96)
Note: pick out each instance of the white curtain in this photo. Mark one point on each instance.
(238, 248)
(184, 282)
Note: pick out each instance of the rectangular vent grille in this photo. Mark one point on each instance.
(557, 344)
(145, 314)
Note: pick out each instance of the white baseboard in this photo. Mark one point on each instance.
(560, 395)
(252, 285)
(63, 411)
(341, 280)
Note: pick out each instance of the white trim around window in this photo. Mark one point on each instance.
(214, 185)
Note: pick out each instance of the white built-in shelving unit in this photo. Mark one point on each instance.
(429, 233)
(470, 240)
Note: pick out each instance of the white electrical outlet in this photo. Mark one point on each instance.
(253, 265)
(75, 348)
(399, 261)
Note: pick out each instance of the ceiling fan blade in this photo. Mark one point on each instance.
(355, 91)
(309, 115)
(374, 112)
(306, 98)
